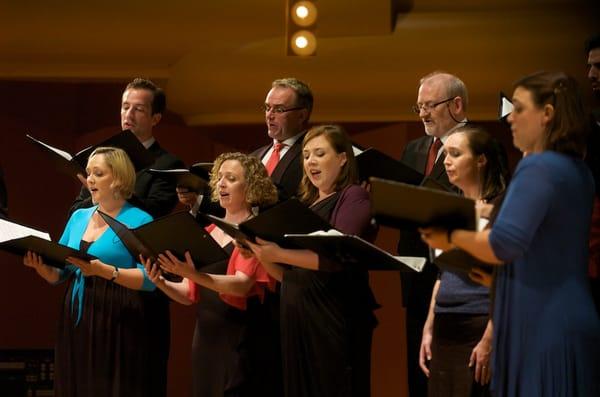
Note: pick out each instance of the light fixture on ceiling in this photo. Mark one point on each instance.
(304, 13)
(303, 42)
(301, 27)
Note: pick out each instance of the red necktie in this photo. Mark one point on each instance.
(432, 155)
(274, 159)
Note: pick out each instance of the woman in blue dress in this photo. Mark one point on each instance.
(547, 333)
(102, 348)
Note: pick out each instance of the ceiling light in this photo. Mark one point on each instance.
(304, 13)
(304, 42)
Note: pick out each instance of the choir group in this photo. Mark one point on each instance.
(277, 320)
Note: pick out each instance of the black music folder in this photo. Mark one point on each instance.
(73, 165)
(195, 178)
(178, 233)
(353, 250)
(18, 239)
(373, 163)
(287, 217)
(459, 261)
(404, 206)
(431, 183)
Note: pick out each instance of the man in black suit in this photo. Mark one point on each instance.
(441, 106)
(287, 111)
(142, 106)
(287, 107)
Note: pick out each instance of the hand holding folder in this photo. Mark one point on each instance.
(178, 233)
(195, 178)
(274, 223)
(18, 239)
(73, 165)
(404, 206)
(349, 250)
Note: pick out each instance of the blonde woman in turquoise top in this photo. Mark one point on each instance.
(101, 347)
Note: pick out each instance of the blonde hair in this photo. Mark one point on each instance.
(122, 169)
(260, 190)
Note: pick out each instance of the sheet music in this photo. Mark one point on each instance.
(414, 262)
(356, 150)
(506, 107)
(61, 153)
(172, 171)
(12, 231)
(330, 232)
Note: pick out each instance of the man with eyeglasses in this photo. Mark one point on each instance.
(287, 111)
(441, 106)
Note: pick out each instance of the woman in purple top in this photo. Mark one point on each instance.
(547, 332)
(327, 316)
(457, 336)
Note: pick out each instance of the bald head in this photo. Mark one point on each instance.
(452, 86)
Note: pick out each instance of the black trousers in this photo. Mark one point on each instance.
(454, 337)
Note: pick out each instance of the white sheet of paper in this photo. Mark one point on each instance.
(61, 153)
(414, 262)
(11, 231)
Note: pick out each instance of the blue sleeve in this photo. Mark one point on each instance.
(147, 285)
(526, 204)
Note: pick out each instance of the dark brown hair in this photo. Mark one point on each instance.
(494, 176)
(568, 129)
(339, 141)
(159, 99)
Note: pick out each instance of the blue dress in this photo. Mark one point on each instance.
(103, 347)
(546, 330)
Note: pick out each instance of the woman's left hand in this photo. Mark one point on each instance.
(480, 357)
(482, 277)
(88, 268)
(435, 238)
(170, 263)
(265, 251)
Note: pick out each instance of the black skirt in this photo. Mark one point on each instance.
(109, 352)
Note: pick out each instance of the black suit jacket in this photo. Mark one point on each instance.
(288, 173)
(416, 287)
(155, 195)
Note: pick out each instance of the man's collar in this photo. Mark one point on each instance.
(292, 140)
(451, 130)
(149, 142)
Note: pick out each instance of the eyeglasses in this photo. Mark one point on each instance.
(428, 107)
(279, 109)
